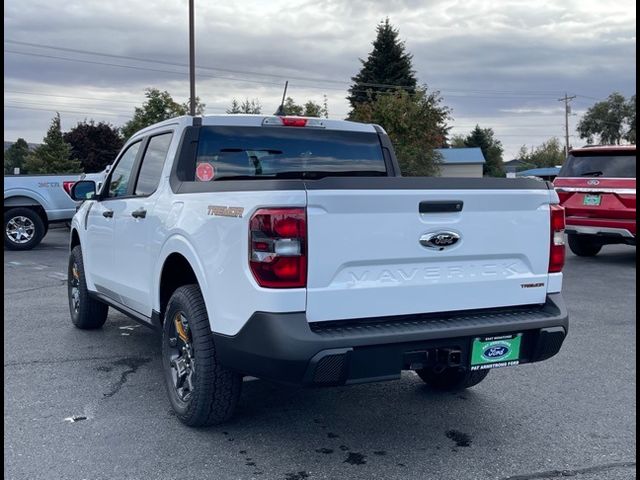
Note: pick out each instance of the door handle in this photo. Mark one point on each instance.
(107, 214)
(140, 213)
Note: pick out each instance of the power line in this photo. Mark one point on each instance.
(130, 102)
(66, 111)
(288, 77)
(137, 103)
(132, 67)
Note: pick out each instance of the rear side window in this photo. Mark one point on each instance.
(226, 153)
(594, 164)
(152, 163)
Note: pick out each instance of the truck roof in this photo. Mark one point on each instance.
(246, 120)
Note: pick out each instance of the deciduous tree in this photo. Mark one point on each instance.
(159, 106)
(609, 121)
(416, 124)
(96, 145)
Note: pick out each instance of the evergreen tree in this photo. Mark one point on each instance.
(54, 155)
(387, 64)
(15, 156)
(95, 144)
(491, 150)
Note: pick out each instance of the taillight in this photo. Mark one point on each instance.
(277, 247)
(67, 186)
(557, 253)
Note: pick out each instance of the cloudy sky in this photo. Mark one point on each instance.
(501, 63)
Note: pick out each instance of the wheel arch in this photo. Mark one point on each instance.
(25, 201)
(75, 239)
(179, 266)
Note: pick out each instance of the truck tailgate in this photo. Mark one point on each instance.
(366, 258)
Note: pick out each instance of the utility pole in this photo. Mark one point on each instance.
(192, 62)
(567, 110)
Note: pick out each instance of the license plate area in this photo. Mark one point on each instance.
(496, 351)
(591, 200)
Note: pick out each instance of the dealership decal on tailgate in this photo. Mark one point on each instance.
(496, 351)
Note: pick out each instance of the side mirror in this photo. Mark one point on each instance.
(83, 190)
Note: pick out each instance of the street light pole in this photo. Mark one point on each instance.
(192, 62)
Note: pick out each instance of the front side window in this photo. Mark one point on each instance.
(152, 163)
(119, 181)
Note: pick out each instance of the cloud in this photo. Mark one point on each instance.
(501, 64)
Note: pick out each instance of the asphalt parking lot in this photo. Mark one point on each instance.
(573, 415)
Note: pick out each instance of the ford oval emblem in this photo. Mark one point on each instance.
(439, 240)
(495, 352)
(593, 182)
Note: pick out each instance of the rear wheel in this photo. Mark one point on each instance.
(201, 391)
(584, 246)
(87, 313)
(23, 229)
(451, 379)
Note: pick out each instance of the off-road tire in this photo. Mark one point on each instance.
(92, 313)
(216, 388)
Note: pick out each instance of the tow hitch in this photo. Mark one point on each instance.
(440, 358)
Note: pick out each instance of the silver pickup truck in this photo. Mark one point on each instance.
(33, 202)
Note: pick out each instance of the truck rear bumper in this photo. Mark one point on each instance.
(607, 230)
(285, 347)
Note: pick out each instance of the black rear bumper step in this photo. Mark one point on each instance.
(432, 322)
(285, 347)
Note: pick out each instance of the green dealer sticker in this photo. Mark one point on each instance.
(496, 351)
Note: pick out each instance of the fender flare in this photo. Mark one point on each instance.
(31, 195)
(176, 243)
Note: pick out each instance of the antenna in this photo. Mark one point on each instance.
(280, 111)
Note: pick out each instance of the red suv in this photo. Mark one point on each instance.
(597, 188)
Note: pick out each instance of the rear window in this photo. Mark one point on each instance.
(594, 164)
(226, 153)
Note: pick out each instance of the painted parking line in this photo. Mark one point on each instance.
(57, 275)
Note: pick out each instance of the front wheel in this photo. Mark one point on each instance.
(87, 313)
(201, 391)
(584, 246)
(23, 229)
(452, 379)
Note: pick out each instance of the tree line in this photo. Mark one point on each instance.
(385, 91)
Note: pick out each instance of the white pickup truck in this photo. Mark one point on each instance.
(290, 249)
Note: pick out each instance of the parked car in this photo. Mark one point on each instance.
(33, 202)
(290, 249)
(597, 188)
